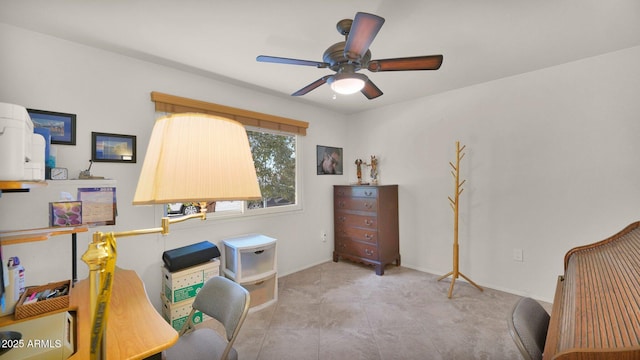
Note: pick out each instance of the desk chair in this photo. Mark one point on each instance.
(528, 324)
(228, 303)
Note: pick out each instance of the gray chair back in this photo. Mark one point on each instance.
(528, 325)
(225, 301)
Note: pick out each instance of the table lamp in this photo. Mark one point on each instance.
(190, 158)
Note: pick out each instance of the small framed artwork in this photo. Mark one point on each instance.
(61, 125)
(329, 160)
(113, 147)
(98, 205)
(65, 213)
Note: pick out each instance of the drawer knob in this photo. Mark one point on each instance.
(368, 193)
(368, 222)
(342, 218)
(368, 252)
(341, 203)
(368, 236)
(368, 205)
(259, 252)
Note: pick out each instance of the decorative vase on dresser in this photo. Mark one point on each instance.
(366, 224)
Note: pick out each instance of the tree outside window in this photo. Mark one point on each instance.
(274, 156)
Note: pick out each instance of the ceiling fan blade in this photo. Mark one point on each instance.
(364, 29)
(281, 60)
(430, 62)
(312, 86)
(370, 90)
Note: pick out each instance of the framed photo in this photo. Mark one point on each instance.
(65, 213)
(329, 160)
(98, 205)
(62, 126)
(113, 147)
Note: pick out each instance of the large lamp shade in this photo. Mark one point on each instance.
(196, 157)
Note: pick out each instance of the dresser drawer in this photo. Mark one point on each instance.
(359, 204)
(356, 191)
(354, 248)
(346, 219)
(366, 235)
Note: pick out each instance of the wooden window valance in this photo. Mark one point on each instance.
(176, 104)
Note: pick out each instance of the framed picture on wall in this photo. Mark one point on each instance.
(65, 213)
(98, 205)
(328, 160)
(62, 126)
(113, 147)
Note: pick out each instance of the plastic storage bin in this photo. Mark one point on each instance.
(250, 260)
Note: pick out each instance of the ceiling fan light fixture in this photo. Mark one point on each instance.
(347, 84)
(348, 57)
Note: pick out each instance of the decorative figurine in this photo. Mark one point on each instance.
(374, 170)
(359, 170)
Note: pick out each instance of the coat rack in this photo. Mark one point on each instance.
(454, 205)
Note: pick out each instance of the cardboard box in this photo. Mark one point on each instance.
(176, 313)
(185, 284)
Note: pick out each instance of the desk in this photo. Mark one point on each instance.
(135, 329)
(597, 301)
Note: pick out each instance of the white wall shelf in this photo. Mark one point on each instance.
(25, 215)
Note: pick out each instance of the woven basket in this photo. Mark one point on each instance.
(43, 306)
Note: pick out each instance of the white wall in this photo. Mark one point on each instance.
(551, 163)
(111, 93)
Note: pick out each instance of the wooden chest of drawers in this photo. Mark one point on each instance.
(366, 224)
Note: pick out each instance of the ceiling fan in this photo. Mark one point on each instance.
(348, 57)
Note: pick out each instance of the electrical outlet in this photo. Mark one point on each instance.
(323, 236)
(517, 255)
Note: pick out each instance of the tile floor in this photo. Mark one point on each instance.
(343, 311)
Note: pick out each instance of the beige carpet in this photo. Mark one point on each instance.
(343, 311)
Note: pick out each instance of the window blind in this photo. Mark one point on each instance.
(176, 104)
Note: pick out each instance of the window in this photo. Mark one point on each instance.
(274, 143)
(275, 158)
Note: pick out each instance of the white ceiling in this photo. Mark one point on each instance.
(481, 40)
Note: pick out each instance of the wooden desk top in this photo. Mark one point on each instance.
(135, 330)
